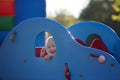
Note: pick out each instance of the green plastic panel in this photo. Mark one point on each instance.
(6, 23)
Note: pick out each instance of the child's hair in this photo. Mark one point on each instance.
(50, 38)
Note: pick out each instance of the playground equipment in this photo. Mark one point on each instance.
(108, 35)
(73, 61)
(14, 11)
(18, 60)
(6, 18)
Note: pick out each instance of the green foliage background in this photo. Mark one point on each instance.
(105, 11)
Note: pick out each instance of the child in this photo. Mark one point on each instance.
(49, 50)
(50, 46)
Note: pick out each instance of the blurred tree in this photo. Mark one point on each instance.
(102, 11)
(116, 7)
(64, 18)
(97, 10)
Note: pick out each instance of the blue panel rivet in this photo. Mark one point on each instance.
(25, 60)
(12, 36)
(81, 75)
(112, 64)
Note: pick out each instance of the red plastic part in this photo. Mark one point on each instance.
(99, 44)
(94, 56)
(6, 0)
(67, 72)
(38, 50)
(7, 9)
(80, 41)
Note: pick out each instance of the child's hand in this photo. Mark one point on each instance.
(47, 57)
(42, 52)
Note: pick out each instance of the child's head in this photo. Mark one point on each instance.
(50, 46)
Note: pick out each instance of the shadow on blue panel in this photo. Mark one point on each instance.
(3, 34)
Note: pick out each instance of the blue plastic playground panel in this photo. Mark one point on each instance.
(84, 29)
(18, 60)
(26, 9)
(3, 34)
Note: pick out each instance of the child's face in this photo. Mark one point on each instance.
(51, 48)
